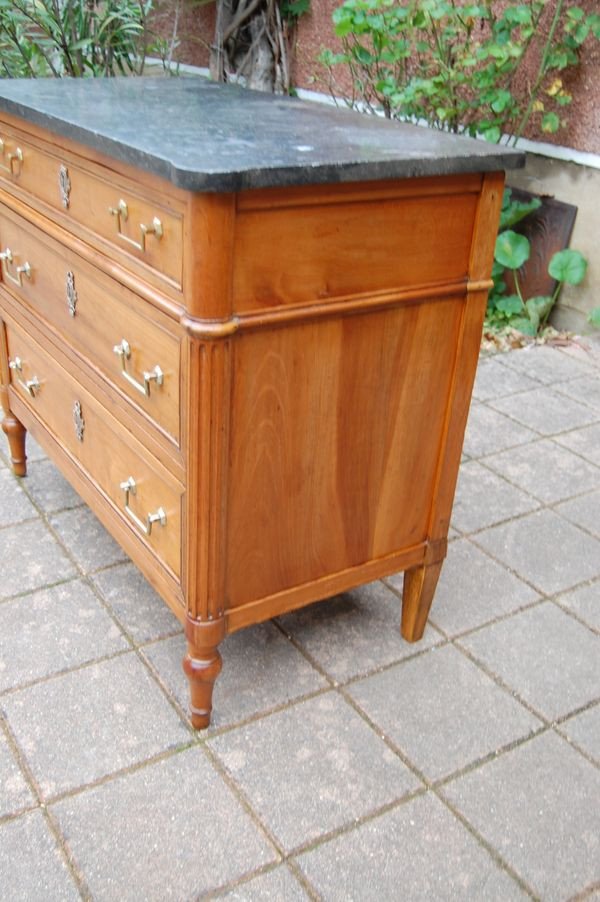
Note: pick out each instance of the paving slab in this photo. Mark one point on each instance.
(52, 630)
(15, 793)
(546, 470)
(355, 632)
(48, 487)
(546, 364)
(278, 886)
(418, 851)
(494, 380)
(544, 549)
(87, 540)
(583, 511)
(312, 768)
(261, 670)
(32, 867)
(136, 605)
(31, 557)
(538, 806)
(484, 498)
(584, 731)
(14, 503)
(84, 725)
(544, 410)
(585, 603)
(489, 431)
(547, 657)
(585, 442)
(442, 711)
(473, 589)
(586, 390)
(171, 830)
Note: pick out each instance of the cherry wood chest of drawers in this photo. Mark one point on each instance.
(246, 329)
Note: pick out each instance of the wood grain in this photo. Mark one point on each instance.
(332, 458)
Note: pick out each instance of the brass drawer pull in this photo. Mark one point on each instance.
(159, 516)
(7, 259)
(31, 386)
(122, 214)
(123, 350)
(14, 160)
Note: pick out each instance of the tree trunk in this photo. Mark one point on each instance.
(251, 45)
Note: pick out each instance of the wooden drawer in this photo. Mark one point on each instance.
(95, 315)
(108, 454)
(116, 213)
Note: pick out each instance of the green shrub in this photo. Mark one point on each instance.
(456, 64)
(72, 37)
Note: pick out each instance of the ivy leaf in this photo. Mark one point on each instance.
(512, 250)
(594, 317)
(568, 266)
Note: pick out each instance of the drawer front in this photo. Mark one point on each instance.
(112, 208)
(96, 316)
(141, 490)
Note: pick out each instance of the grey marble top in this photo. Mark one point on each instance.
(204, 136)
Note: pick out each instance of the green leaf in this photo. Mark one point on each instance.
(524, 325)
(594, 317)
(512, 250)
(511, 304)
(538, 309)
(568, 266)
(492, 134)
(501, 101)
(517, 210)
(575, 13)
(550, 123)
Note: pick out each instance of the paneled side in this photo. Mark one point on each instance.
(306, 252)
(335, 438)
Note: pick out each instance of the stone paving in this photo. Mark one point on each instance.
(343, 763)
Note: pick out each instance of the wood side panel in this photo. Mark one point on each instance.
(322, 588)
(336, 432)
(467, 352)
(313, 253)
(348, 192)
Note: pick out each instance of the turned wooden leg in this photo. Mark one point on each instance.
(15, 432)
(417, 595)
(202, 665)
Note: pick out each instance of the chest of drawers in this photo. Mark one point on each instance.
(246, 330)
